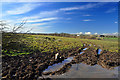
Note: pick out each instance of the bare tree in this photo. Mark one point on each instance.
(12, 36)
(5, 27)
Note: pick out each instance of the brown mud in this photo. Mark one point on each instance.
(31, 66)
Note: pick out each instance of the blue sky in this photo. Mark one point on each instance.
(68, 17)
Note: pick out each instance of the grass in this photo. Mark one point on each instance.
(53, 44)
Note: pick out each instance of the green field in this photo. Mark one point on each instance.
(52, 44)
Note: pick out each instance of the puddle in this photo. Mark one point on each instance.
(85, 48)
(99, 50)
(86, 71)
(56, 67)
(81, 52)
(89, 44)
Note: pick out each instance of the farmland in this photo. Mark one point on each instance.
(50, 44)
(28, 58)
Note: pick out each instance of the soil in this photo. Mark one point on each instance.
(31, 66)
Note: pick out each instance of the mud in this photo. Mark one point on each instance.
(109, 60)
(31, 66)
(88, 57)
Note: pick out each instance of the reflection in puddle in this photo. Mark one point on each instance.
(56, 67)
(85, 49)
(89, 44)
(99, 50)
(81, 52)
(86, 71)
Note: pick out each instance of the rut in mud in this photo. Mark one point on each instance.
(34, 65)
(87, 56)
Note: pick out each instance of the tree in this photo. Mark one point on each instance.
(12, 36)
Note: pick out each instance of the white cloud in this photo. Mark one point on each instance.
(69, 13)
(42, 14)
(80, 33)
(87, 33)
(87, 15)
(54, 12)
(37, 29)
(115, 34)
(68, 18)
(69, 8)
(30, 17)
(83, 7)
(22, 9)
(59, 1)
(116, 22)
(43, 19)
(87, 20)
(48, 13)
(39, 24)
(110, 10)
(95, 33)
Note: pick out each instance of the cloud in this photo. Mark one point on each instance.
(95, 33)
(68, 18)
(55, 12)
(30, 17)
(115, 34)
(42, 14)
(37, 29)
(83, 7)
(22, 9)
(111, 10)
(39, 24)
(87, 20)
(43, 19)
(80, 33)
(69, 8)
(69, 13)
(87, 33)
(48, 13)
(59, 1)
(116, 22)
(87, 15)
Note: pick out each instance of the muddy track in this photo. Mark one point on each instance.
(29, 66)
(90, 57)
(32, 66)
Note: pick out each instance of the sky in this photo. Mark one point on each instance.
(67, 17)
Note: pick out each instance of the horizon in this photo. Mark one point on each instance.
(72, 17)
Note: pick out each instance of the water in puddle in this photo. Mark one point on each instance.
(99, 50)
(81, 52)
(85, 71)
(85, 49)
(89, 44)
(56, 67)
